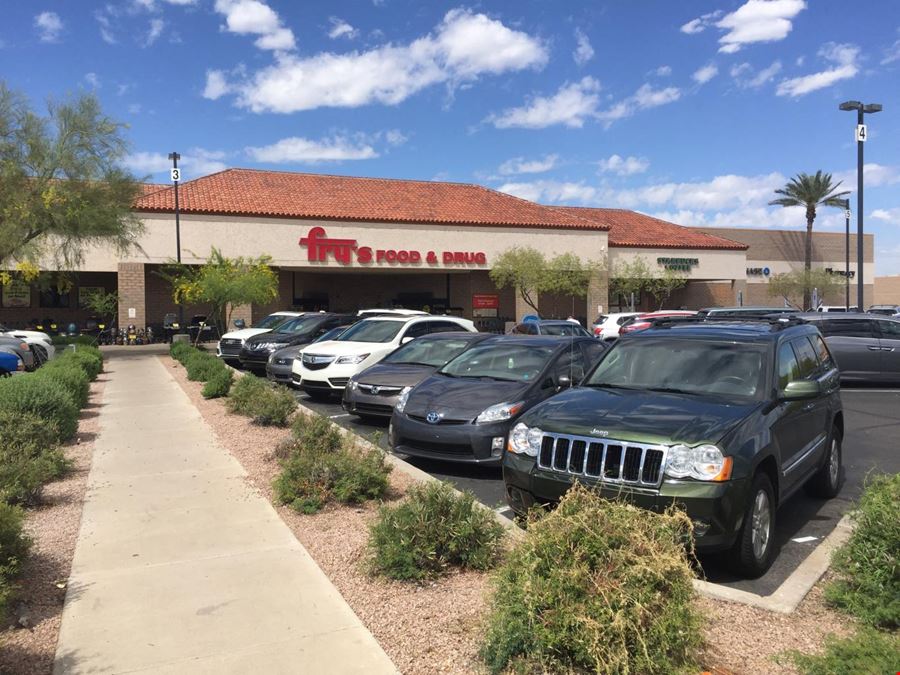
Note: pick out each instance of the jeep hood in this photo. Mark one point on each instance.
(639, 416)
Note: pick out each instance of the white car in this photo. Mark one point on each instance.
(606, 327)
(37, 340)
(390, 312)
(229, 347)
(836, 308)
(325, 368)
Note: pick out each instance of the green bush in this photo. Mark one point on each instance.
(43, 397)
(201, 366)
(13, 549)
(179, 350)
(29, 457)
(596, 586)
(266, 404)
(218, 384)
(89, 358)
(868, 652)
(63, 340)
(70, 375)
(323, 468)
(868, 581)
(433, 529)
(316, 432)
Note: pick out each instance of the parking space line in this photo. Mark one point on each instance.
(334, 417)
(803, 540)
(502, 510)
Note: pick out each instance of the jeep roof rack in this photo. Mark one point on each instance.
(775, 321)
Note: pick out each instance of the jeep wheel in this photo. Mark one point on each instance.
(754, 549)
(827, 482)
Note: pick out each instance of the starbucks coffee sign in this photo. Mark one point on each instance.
(679, 264)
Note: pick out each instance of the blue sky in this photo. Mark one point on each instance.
(692, 111)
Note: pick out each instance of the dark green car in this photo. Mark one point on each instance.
(726, 419)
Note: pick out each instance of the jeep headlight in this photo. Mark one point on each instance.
(352, 359)
(524, 440)
(704, 462)
(402, 399)
(499, 412)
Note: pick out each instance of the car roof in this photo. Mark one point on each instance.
(540, 340)
(733, 331)
(456, 334)
(838, 316)
(408, 318)
(752, 308)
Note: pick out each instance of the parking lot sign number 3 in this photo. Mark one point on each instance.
(176, 175)
(861, 133)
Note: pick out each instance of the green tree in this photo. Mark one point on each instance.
(664, 283)
(61, 187)
(798, 285)
(810, 192)
(223, 283)
(636, 276)
(104, 305)
(528, 271)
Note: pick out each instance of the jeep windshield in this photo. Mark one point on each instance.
(513, 363)
(695, 367)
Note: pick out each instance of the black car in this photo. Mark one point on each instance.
(549, 327)
(374, 392)
(281, 362)
(463, 411)
(726, 419)
(300, 330)
(865, 346)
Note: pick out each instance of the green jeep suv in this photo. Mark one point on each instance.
(727, 418)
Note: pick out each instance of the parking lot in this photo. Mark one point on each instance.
(872, 427)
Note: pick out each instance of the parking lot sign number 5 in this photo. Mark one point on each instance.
(861, 132)
(176, 175)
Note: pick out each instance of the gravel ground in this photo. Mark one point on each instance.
(434, 628)
(427, 629)
(53, 527)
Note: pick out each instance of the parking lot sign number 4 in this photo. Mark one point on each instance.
(861, 132)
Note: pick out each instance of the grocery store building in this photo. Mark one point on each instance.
(343, 243)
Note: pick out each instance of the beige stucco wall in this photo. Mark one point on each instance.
(887, 290)
(711, 264)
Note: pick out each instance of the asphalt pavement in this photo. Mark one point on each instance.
(872, 421)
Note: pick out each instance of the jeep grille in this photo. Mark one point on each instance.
(607, 460)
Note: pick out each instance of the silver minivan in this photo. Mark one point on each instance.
(865, 346)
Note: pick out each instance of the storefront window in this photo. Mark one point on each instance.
(54, 298)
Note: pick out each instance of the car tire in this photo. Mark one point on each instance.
(826, 483)
(754, 549)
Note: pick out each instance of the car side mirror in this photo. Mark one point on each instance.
(563, 381)
(239, 324)
(403, 341)
(800, 390)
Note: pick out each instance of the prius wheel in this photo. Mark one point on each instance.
(827, 482)
(754, 549)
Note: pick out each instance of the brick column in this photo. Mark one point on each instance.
(132, 294)
(597, 295)
(244, 312)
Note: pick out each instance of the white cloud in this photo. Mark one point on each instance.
(134, 109)
(463, 47)
(891, 53)
(216, 85)
(195, 163)
(624, 166)
(845, 58)
(106, 28)
(701, 23)
(254, 17)
(758, 21)
(663, 71)
(156, 29)
(49, 26)
(519, 165)
(552, 192)
(874, 175)
(583, 50)
(305, 151)
(705, 74)
(395, 137)
(340, 28)
(93, 80)
(746, 77)
(645, 97)
(571, 106)
(891, 216)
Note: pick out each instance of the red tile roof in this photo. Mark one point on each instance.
(629, 229)
(150, 188)
(252, 192)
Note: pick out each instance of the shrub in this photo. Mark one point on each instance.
(70, 375)
(42, 397)
(179, 350)
(867, 652)
(201, 366)
(89, 358)
(13, 549)
(218, 384)
(596, 586)
(266, 404)
(29, 457)
(64, 340)
(434, 528)
(320, 468)
(868, 582)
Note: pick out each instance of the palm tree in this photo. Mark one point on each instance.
(810, 191)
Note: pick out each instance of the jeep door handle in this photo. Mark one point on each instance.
(808, 407)
(873, 348)
(887, 349)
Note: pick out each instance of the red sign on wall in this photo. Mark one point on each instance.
(485, 301)
(319, 247)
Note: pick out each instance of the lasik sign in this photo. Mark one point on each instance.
(320, 248)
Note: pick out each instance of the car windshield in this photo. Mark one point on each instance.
(561, 329)
(500, 361)
(271, 321)
(700, 367)
(330, 335)
(428, 352)
(372, 330)
(298, 324)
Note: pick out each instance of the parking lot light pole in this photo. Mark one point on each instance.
(861, 135)
(847, 255)
(176, 177)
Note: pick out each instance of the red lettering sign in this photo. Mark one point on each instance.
(485, 301)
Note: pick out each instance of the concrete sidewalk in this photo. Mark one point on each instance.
(180, 567)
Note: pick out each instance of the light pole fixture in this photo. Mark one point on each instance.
(847, 255)
(176, 178)
(862, 134)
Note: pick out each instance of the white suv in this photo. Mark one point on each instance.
(325, 368)
(229, 348)
(607, 326)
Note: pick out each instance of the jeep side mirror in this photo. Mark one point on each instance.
(563, 381)
(800, 390)
(240, 324)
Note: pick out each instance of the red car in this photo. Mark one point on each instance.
(642, 321)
